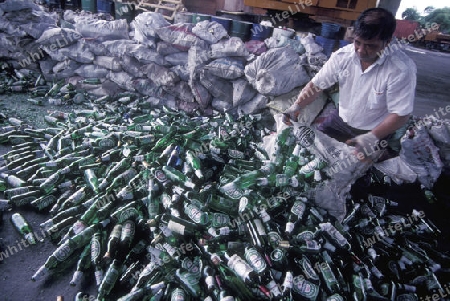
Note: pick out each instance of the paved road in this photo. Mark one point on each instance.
(433, 81)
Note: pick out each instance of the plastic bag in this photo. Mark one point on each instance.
(146, 55)
(108, 62)
(122, 79)
(165, 48)
(201, 94)
(91, 71)
(256, 47)
(58, 37)
(227, 68)
(218, 87)
(440, 132)
(182, 72)
(131, 66)
(198, 57)
(119, 47)
(397, 170)
(276, 72)
(160, 75)
(145, 86)
(145, 26)
(103, 30)
(311, 47)
(421, 155)
(229, 47)
(180, 35)
(343, 167)
(211, 32)
(180, 90)
(257, 103)
(179, 58)
(65, 68)
(243, 92)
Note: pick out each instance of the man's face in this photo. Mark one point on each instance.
(369, 50)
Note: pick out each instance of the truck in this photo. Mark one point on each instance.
(437, 40)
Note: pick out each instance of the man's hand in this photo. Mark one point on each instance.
(291, 114)
(366, 148)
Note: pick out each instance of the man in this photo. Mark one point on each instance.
(377, 84)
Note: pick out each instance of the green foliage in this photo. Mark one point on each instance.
(440, 16)
(428, 9)
(411, 14)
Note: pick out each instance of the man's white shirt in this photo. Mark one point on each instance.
(367, 97)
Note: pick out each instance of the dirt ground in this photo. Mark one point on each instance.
(17, 268)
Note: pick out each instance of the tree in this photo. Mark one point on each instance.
(411, 14)
(440, 16)
(428, 9)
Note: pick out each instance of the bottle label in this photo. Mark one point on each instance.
(128, 231)
(176, 227)
(25, 201)
(328, 275)
(305, 288)
(312, 245)
(281, 180)
(224, 231)
(298, 208)
(160, 176)
(210, 281)
(138, 158)
(288, 282)
(111, 276)
(235, 154)
(290, 227)
(336, 297)
(219, 220)
(273, 202)
(264, 215)
(98, 277)
(274, 238)
(259, 227)
(239, 266)
(274, 289)
(195, 214)
(17, 140)
(147, 139)
(153, 207)
(46, 201)
(232, 191)
(95, 247)
(305, 235)
(63, 252)
(178, 295)
(255, 260)
(308, 269)
(192, 265)
(277, 255)
(107, 143)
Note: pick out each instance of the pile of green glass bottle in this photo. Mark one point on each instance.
(165, 206)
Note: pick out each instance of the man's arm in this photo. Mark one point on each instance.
(308, 94)
(389, 125)
(365, 144)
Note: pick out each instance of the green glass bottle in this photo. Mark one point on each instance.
(83, 264)
(60, 257)
(98, 242)
(113, 244)
(195, 163)
(110, 279)
(23, 227)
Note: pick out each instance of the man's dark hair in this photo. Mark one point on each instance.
(375, 22)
